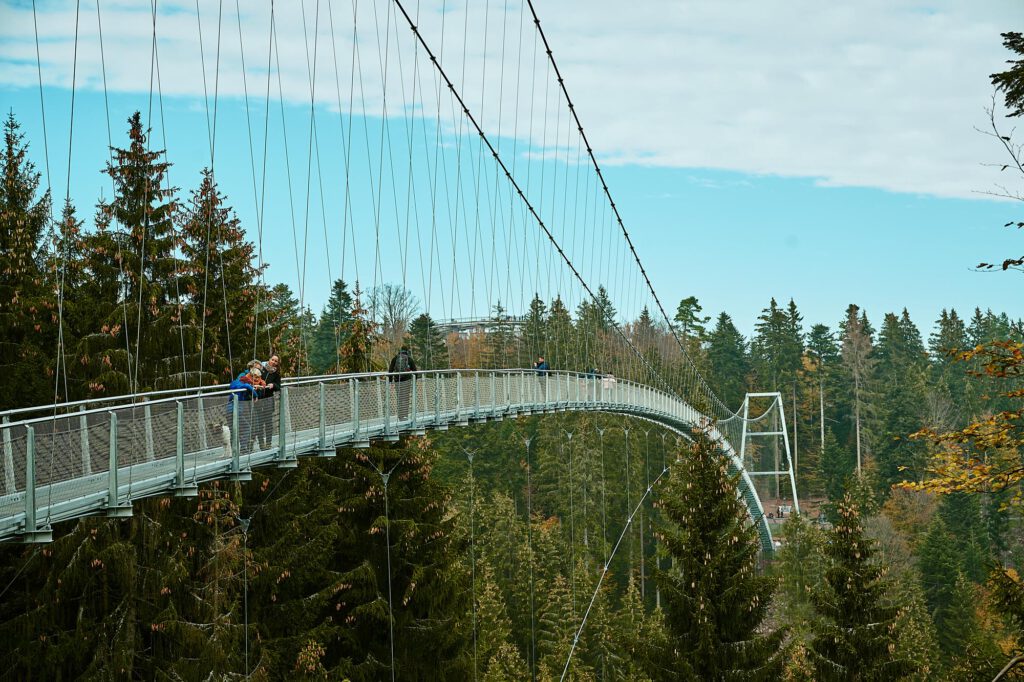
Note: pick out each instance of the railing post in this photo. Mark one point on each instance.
(412, 409)
(384, 403)
(458, 397)
(32, 531)
(353, 395)
(236, 437)
(494, 394)
(323, 449)
(476, 395)
(9, 483)
(437, 399)
(283, 461)
(83, 436)
(114, 507)
(201, 416)
(30, 479)
(181, 489)
(147, 412)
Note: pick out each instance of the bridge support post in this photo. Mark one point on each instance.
(414, 409)
(201, 416)
(236, 473)
(437, 405)
(83, 436)
(32, 532)
(384, 387)
(9, 487)
(323, 449)
(358, 440)
(114, 508)
(283, 461)
(461, 419)
(147, 413)
(181, 488)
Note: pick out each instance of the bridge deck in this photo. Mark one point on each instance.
(66, 466)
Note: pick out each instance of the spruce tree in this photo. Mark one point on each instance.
(28, 307)
(346, 554)
(146, 341)
(427, 343)
(856, 633)
(221, 281)
(901, 384)
(332, 329)
(729, 364)
(714, 600)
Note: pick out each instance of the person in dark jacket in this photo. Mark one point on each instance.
(400, 369)
(265, 407)
(541, 367)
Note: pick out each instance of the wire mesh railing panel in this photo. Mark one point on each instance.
(15, 456)
(130, 436)
(338, 406)
(304, 407)
(58, 451)
(165, 431)
(369, 399)
(485, 397)
(14, 475)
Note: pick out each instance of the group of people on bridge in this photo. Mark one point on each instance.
(254, 389)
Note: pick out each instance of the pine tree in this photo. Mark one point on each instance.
(691, 323)
(858, 365)
(146, 341)
(727, 356)
(949, 376)
(284, 328)
(714, 601)
(27, 306)
(901, 372)
(343, 549)
(534, 332)
(427, 344)
(356, 350)
(221, 281)
(800, 569)
(855, 637)
(559, 351)
(331, 330)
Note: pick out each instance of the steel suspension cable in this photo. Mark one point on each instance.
(724, 410)
(533, 211)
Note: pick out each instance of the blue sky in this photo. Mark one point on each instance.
(759, 150)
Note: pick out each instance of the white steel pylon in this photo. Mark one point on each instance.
(747, 434)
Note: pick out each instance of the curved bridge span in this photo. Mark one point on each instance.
(98, 457)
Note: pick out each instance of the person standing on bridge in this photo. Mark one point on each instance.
(401, 368)
(541, 367)
(265, 407)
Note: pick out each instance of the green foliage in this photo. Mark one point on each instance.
(854, 637)
(714, 600)
(27, 300)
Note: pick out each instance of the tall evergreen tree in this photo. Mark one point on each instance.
(727, 356)
(901, 382)
(331, 330)
(855, 637)
(221, 281)
(27, 305)
(858, 365)
(146, 341)
(534, 335)
(948, 602)
(427, 343)
(714, 601)
(691, 322)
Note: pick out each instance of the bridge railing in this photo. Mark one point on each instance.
(86, 459)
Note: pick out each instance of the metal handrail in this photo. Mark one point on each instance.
(139, 399)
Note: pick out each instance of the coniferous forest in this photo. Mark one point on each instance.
(483, 552)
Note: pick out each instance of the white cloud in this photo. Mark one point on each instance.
(876, 93)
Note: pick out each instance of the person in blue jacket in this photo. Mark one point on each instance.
(247, 387)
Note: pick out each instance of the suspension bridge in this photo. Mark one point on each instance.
(435, 146)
